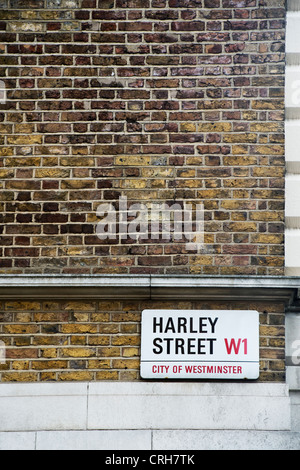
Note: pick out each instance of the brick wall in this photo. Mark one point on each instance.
(100, 340)
(158, 101)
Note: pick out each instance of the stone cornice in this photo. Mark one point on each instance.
(151, 287)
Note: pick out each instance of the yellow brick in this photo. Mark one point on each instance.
(126, 363)
(23, 162)
(6, 151)
(197, 269)
(20, 365)
(99, 340)
(242, 226)
(70, 328)
(75, 161)
(159, 172)
(197, 183)
(269, 149)
(49, 352)
(239, 138)
(130, 352)
(271, 330)
(109, 352)
(147, 195)
(188, 173)
(269, 239)
(129, 328)
(240, 194)
(100, 317)
(6, 173)
(78, 352)
(267, 194)
(214, 127)
(266, 215)
(80, 317)
(99, 364)
(239, 149)
(126, 316)
(26, 27)
(213, 194)
(129, 375)
(24, 139)
(270, 261)
(238, 216)
(80, 306)
(268, 104)
(269, 171)
(188, 127)
(29, 15)
(108, 328)
(24, 128)
(52, 173)
(90, 218)
(240, 183)
(42, 365)
(107, 375)
(125, 340)
(202, 260)
(78, 184)
(50, 161)
(265, 127)
(46, 241)
(133, 184)
(29, 306)
(135, 160)
(50, 15)
(81, 376)
(20, 329)
(79, 340)
(158, 183)
(6, 129)
(23, 317)
(19, 377)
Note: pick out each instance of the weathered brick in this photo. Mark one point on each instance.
(70, 348)
(152, 100)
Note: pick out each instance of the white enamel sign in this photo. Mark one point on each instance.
(200, 344)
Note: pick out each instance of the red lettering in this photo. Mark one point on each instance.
(160, 369)
(233, 345)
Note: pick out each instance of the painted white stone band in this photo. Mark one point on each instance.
(130, 405)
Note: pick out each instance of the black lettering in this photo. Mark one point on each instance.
(182, 325)
(202, 325)
(156, 342)
(201, 345)
(192, 325)
(170, 326)
(213, 324)
(191, 346)
(157, 324)
(179, 344)
(211, 344)
(168, 341)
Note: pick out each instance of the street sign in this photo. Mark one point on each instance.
(200, 344)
